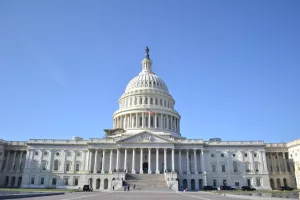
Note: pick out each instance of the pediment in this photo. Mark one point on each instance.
(145, 137)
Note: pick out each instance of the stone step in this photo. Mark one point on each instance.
(147, 184)
(146, 177)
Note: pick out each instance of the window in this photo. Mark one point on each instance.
(42, 181)
(55, 165)
(53, 181)
(45, 153)
(57, 153)
(78, 154)
(258, 183)
(233, 155)
(235, 166)
(146, 100)
(223, 168)
(160, 102)
(75, 181)
(69, 153)
(222, 155)
(151, 121)
(212, 155)
(247, 167)
(66, 181)
(151, 101)
(157, 122)
(255, 155)
(215, 183)
(165, 103)
(237, 184)
(141, 122)
(156, 102)
(224, 182)
(68, 167)
(140, 101)
(32, 181)
(256, 166)
(146, 120)
(213, 168)
(245, 155)
(44, 166)
(77, 167)
(36, 153)
(291, 155)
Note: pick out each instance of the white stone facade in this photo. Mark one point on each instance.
(146, 138)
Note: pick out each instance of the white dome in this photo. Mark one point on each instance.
(146, 80)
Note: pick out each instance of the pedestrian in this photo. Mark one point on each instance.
(128, 188)
(125, 188)
(113, 187)
(134, 186)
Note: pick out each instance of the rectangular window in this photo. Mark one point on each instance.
(68, 167)
(255, 155)
(53, 181)
(165, 103)
(160, 102)
(223, 168)
(140, 101)
(151, 101)
(66, 181)
(258, 183)
(69, 153)
(156, 101)
(215, 183)
(45, 153)
(245, 155)
(237, 184)
(32, 181)
(224, 182)
(222, 155)
(44, 166)
(76, 181)
(213, 168)
(78, 154)
(77, 167)
(212, 155)
(42, 181)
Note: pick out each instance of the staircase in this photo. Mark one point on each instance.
(147, 181)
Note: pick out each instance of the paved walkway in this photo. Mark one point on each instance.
(146, 195)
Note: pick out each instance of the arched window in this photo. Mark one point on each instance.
(247, 166)
(56, 163)
(235, 166)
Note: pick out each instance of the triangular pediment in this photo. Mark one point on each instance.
(145, 137)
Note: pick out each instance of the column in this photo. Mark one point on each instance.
(278, 162)
(90, 169)
(161, 121)
(125, 161)
(173, 160)
(149, 120)
(285, 165)
(263, 162)
(251, 162)
(117, 162)
(141, 162)
(110, 161)
(155, 121)
(136, 120)
(273, 162)
(41, 160)
(74, 161)
(20, 162)
(14, 160)
(51, 160)
(133, 161)
(96, 161)
(103, 162)
(143, 120)
(195, 162)
(187, 162)
(130, 121)
(171, 118)
(165, 160)
(84, 161)
(157, 161)
(149, 161)
(180, 169)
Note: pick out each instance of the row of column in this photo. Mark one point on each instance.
(94, 168)
(16, 164)
(127, 102)
(148, 120)
(277, 162)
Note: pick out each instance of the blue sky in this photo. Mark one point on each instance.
(232, 66)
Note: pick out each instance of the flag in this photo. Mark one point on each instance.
(149, 111)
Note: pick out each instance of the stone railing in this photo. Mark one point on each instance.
(270, 145)
(18, 143)
(259, 142)
(189, 141)
(49, 141)
(293, 143)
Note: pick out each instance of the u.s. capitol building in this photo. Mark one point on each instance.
(145, 147)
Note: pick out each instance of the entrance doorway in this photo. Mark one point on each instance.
(145, 167)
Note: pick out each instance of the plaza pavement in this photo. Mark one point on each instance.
(145, 195)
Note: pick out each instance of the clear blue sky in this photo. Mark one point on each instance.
(233, 67)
